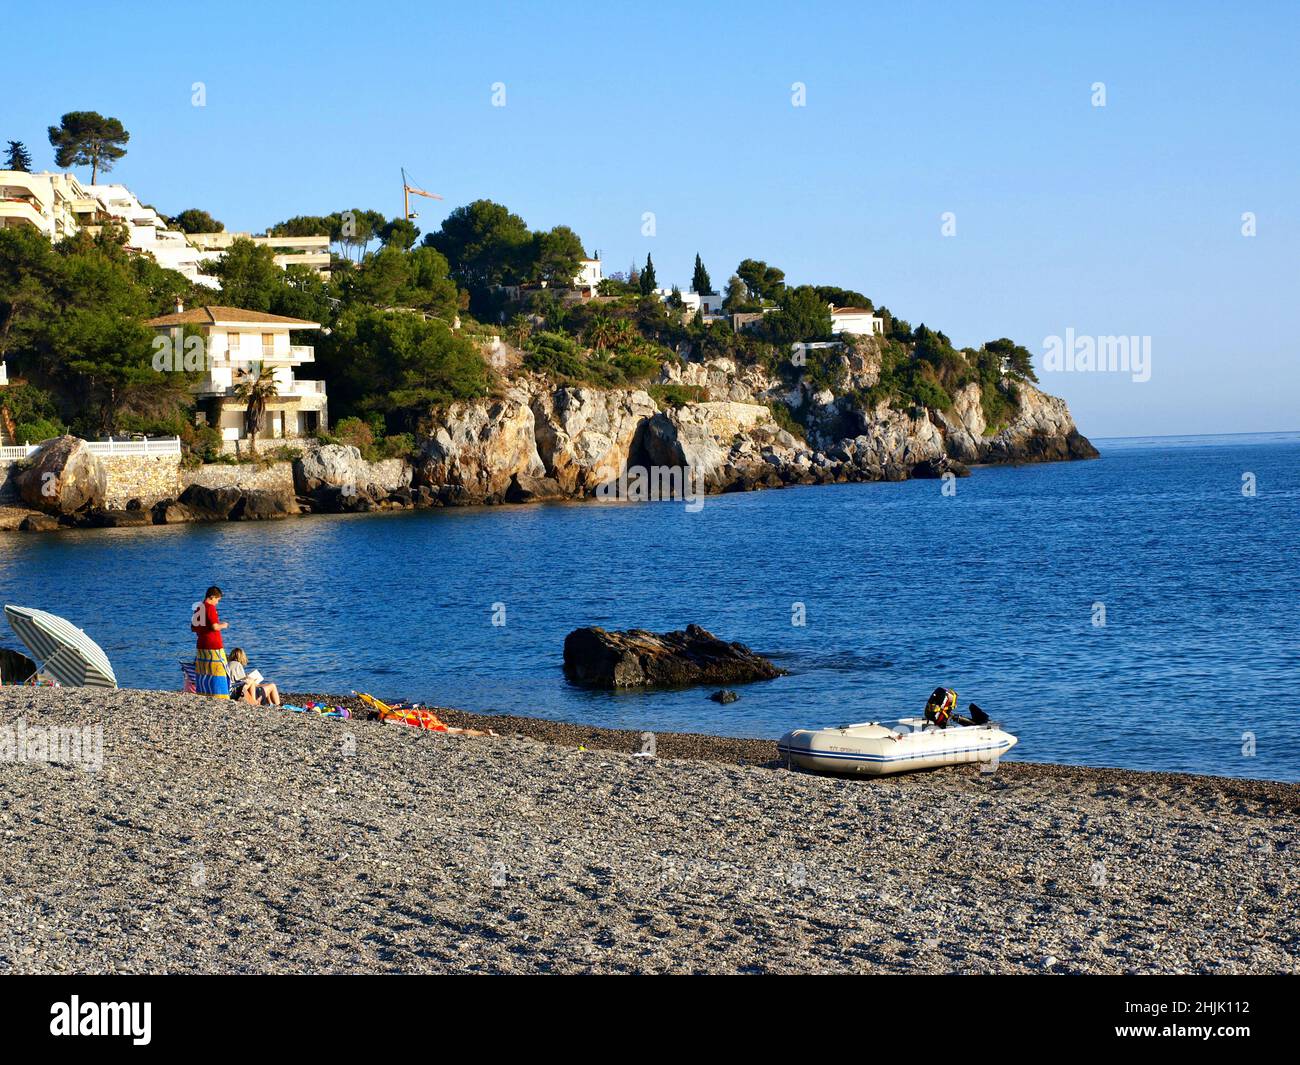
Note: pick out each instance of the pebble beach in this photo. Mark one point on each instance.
(204, 837)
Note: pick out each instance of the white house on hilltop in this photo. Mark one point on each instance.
(859, 321)
(588, 278)
(234, 340)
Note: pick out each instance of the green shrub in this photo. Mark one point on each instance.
(34, 432)
(678, 395)
(355, 433)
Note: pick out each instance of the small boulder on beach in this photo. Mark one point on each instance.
(637, 658)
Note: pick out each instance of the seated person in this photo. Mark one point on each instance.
(257, 692)
(940, 707)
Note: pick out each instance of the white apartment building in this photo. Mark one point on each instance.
(311, 252)
(57, 205)
(234, 340)
(150, 233)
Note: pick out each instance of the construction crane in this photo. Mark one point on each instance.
(407, 189)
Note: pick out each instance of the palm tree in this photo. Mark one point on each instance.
(625, 334)
(253, 387)
(601, 331)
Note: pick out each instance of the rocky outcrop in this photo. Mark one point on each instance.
(63, 477)
(202, 503)
(478, 448)
(334, 478)
(264, 504)
(584, 436)
(636, 658)
(1042, 431)
(726, 445)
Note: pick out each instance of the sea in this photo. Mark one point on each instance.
(1138, 611)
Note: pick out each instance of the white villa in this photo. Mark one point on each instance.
(707, 303)
(857, 320)
(588, 278)
(236, 339)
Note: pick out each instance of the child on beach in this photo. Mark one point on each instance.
(211, 672)
(255, 691)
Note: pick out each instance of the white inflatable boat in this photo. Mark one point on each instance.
(875, 749)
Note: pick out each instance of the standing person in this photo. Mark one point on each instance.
(210, 669)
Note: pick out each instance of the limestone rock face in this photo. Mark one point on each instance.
(63, 477)
(478, 448)
(722, 443)
(341, 466)
(585, 435)
(639, 659)
(1042, 431)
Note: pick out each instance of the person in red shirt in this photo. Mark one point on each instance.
(211, 673)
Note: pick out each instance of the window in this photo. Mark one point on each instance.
(268, 344)
(232, 344)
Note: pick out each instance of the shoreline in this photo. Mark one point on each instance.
(219, 837)
(16, 516)
(762, 753)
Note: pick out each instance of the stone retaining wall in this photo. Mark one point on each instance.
(278, 476)
(147, 478)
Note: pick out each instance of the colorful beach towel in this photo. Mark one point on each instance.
(317, 708)
(189, 679)
(211, 676)
(414, 716)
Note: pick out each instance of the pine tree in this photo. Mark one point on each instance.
(647, 280)
(700, 281)
(18, 157)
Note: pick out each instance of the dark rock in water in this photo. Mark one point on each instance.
(38, 523)
(639, 659)
(170, 512)
(526, 489)
(62, 477)
(936, 468)
(1080, 446)
(725, 696)
(114, 519)
(210, 504)
(134, 504)
(264, 504)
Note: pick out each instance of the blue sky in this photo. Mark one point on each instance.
(1115, 220)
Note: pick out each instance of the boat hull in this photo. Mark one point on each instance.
(873, 750)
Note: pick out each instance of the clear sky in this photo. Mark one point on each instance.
(1117, 220)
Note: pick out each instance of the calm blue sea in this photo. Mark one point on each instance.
(997, 591)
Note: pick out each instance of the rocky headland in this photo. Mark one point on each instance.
(717, 427)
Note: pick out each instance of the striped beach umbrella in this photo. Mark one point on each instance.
(61, 649)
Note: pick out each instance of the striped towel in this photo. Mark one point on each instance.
(211, 673)
(190, 681)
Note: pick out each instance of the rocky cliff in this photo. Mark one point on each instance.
(747, 429)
